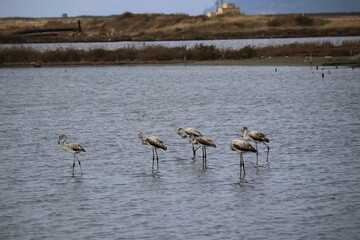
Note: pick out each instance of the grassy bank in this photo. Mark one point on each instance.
(159, 54)
(141, 27)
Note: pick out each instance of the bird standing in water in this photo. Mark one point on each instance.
(204, 142)
(73, 148)
(256, 137)
(241, 147)
(190, 133)
(154, 143)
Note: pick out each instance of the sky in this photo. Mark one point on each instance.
(55, 8)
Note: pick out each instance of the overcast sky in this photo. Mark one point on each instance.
(54, 8)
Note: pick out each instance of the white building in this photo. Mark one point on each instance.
(226, 8)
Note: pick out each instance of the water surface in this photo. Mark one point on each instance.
(310, 190)
(221, 44)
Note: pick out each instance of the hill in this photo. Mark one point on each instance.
(148, 27)
(290, 6)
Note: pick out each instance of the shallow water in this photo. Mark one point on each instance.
(310, 190)
(222, 43)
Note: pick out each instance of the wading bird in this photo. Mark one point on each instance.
(241, 147)
(189, 133)
(73, 148)
(154, 143)
(256, 137)
(204, 142)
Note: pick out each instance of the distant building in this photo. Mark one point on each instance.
(64, 15)
(211, 14)
(226, 8)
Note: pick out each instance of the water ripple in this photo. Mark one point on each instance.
(310, 189)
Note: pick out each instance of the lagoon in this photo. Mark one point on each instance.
(221, 44)
(310, 190)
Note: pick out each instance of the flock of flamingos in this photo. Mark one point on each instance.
(195, 138)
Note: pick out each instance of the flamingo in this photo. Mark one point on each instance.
(189, 133)
(204, 142)
(241, 147)
(256, 137)
(73, 148)
(154, 143)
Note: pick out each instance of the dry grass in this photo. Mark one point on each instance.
(345, 22)
(129, 26)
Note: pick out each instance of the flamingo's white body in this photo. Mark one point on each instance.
(154, 143)
(256, 137)
(73, 148)
(241, 147)
(190, 133)
(204, 142)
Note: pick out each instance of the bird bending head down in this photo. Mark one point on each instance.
(241, 146)
(181, 133)
(61, 136)
(190, 134)
(203, 141)
(254, 136)
(152, 141)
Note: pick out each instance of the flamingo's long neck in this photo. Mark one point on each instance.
(182, 134)
(246, 134)
(63, 142)
(142, 138)
(192, 139)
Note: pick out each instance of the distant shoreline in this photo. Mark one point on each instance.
(324, 53)
(274, 61)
